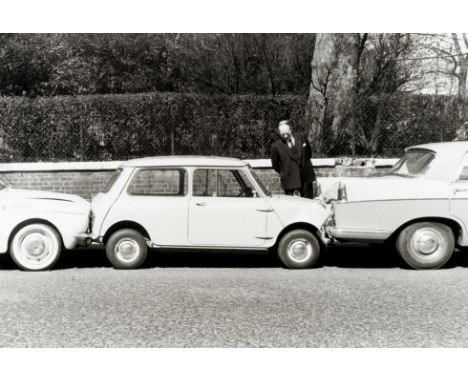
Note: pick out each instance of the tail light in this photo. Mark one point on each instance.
(90, 222)
(342, 195)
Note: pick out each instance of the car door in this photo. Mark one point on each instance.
(226, 210)
(459, 193)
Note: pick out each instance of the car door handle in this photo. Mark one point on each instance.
(200, 204)
(456, 190)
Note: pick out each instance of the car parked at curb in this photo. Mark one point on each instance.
(202, 203)
(421, 205)
(36, 225)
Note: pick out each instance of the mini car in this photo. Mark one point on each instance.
(421, 205)
(36, 225)
(203, 203)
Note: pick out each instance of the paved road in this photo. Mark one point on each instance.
(357, 297)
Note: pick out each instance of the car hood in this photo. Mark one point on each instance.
(292, 209)
(388, 188)
(13, 193)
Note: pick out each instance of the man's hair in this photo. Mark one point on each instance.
(284, 122)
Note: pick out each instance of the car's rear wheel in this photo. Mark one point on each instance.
(426, 245)
(36, 247)
(126, 249)
(299, 249)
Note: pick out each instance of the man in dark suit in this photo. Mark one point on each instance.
(290, 157)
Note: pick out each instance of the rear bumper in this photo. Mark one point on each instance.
(83, 239)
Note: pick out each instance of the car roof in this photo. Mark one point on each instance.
(453, 147)
(185, 161)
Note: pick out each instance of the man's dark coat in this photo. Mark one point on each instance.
(293, 164)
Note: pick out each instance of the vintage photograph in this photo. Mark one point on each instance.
(233, 190)
(250, 178)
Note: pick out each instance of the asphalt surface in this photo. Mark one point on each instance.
(356, 297)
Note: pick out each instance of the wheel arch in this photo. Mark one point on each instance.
(301, 225)
(451, 223)
(122, 225)
(33, 221)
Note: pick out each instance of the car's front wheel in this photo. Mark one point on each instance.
(126, 249)
(426, 245)
(299, 249)
(36, 247)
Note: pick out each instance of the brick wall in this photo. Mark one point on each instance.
(87, 181)
(84, 183)
(271, 178)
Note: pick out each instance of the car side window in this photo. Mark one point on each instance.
(221, 183)
(159, 182)
(204, 182)
(464, 169)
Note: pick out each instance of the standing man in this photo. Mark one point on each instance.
(290, 157)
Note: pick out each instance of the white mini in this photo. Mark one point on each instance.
(202, 203)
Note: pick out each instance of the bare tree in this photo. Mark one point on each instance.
(348, 72)
(461, 61)
(333, 87)
(243, 63)
(444, 61)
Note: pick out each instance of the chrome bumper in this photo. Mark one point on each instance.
(362, 236)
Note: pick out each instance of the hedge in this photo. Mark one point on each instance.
(101, 127)
(126, 126)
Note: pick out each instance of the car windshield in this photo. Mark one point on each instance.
(415, 164)
(264, 188)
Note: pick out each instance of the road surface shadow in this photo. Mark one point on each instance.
(361, 256)
(341, 256)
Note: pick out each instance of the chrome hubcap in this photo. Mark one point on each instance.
(427, 241)
(427, 244)
(300, 250)
(35, 246)
(127, 250)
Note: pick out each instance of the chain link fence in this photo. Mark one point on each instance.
(120, 128)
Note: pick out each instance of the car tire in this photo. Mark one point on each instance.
(36, 247)
(299, 249)
(426, 245)
(126, 249)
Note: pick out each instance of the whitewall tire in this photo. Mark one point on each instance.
(36, 247)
